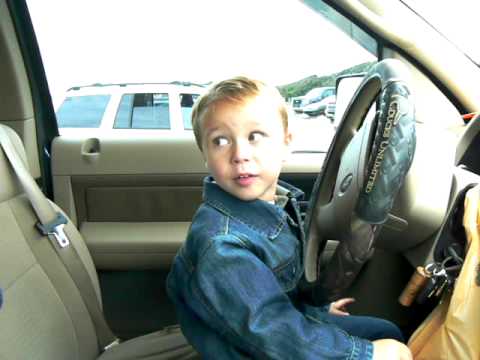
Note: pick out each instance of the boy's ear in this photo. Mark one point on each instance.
(288, 142)
(288, 138)
(205, 159)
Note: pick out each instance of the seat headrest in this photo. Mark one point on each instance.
(9, 184)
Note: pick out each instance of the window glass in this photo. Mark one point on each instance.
(82, 111)
(329, 92)
(186, 105)
(143, 111)
(308, 53)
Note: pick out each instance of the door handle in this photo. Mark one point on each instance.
(91, 149)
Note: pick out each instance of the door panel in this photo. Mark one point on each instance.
(122, 155)
(145, 182)
(107, 198)
(133, 245)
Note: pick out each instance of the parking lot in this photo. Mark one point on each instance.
(311, 133)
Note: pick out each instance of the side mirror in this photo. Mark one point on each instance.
(346, 85)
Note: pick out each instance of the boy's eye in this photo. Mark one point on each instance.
(256, 136)
(220, 141)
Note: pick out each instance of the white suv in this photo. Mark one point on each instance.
(119, 107)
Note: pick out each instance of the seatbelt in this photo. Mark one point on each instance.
(51, 224)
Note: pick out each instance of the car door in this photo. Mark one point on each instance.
(132, 200)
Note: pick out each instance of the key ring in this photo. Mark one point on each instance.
(428, 268)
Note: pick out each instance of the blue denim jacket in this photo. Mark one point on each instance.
(234, 285)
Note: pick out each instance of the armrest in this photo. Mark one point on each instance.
(133, 245)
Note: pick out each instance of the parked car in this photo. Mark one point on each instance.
(129, 199)
(319, 107)
(330, 111)
(127, 106)
(297, 103)
(301, 104)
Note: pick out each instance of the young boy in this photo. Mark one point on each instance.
(234, 281)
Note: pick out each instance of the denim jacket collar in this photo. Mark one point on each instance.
(260, 215)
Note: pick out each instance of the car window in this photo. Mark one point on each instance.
(143, 111)
(297, 62)
(329, 92)
(82, 111)
(186, 105)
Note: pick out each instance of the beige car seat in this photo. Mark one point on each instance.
(45, 313)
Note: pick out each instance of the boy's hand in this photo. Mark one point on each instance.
(339, 307)
(390, 349)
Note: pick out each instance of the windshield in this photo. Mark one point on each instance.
(457, 21)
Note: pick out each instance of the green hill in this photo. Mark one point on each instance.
(301, 87)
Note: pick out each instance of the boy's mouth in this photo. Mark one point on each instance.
(245, 176)
(245, 179)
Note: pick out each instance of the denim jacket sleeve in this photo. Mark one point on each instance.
(240, 297)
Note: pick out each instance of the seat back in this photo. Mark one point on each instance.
(43, 315)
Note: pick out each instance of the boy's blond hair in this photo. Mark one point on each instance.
(236, 90)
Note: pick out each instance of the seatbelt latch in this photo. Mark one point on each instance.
(55, 229)
(112, 344)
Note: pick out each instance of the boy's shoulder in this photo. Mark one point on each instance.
(213, 222)
(208, 222)
(208, 230)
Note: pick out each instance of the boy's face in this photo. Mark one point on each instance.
(244, 146)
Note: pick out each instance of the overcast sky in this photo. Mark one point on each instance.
(90, 41)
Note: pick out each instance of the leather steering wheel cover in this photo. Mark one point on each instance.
(391, 155)
(377, 79)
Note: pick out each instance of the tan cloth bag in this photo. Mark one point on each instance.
(452, 330)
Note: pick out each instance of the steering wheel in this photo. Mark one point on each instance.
(363, 171)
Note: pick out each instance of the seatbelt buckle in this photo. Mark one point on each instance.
(59, 235)
(112, 344)
(56, 230)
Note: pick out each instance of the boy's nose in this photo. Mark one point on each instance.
(242, 152)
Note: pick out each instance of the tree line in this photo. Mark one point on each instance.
(301, 87)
